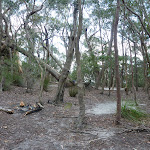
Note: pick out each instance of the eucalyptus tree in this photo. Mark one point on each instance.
(80, 85)
(118, 115)
(137, 15)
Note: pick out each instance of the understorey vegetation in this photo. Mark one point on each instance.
(79, 44)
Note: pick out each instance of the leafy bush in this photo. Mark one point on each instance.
(73, 91)
(18, 79)
(7, 80)
(130, 111)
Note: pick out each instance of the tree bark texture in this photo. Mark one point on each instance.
(1, 79)
(118, 115)
(133, 87)
(136, 70)
(80, 84)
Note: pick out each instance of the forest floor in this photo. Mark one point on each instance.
(52, 127)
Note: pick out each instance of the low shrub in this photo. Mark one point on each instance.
(130, 111)
(73, 91)
(18, 80)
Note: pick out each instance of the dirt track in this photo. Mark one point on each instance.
(51, 128)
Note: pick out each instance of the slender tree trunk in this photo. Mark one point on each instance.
(103, 83)
(122, 70)
(126, 74)
(133, 87)
(118, 115)
(1, 79)
(136, 70)
(0, 23)
(144, 67)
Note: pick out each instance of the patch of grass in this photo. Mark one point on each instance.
(68, 105)
(130, 111)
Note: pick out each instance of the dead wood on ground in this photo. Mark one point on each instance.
(7, 110)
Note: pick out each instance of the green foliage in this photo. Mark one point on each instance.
(73, 91)
(18, 79)
(10, 74)
(30, 70)
(8, 80)
(130, 111)
(73, 75)
(89, 66)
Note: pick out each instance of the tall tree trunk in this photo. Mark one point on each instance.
(126, 74)
(118, 115)
(122, 70)
(133, 87)
(1, 79)
(65, 71)
(80, 84)
(136, 70)
(0, 23)
(145, 53)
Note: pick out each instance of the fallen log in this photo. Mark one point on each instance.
(38, 107)
(7, 110)
(33, 110)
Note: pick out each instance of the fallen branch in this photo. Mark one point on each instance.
(7, 110)
(33, 110)
(39, 107)
(135, 130)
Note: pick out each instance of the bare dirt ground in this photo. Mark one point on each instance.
(51, 128)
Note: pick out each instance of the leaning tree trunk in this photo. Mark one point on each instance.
(118, 115)
(65, 71)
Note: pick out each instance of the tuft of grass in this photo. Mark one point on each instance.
(73, 91)
(130, 111)
(68, 105)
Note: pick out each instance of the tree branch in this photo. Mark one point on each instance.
(137, 16)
